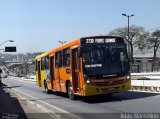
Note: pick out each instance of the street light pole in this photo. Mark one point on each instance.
(62, 42)
(129, 43)
(6, 41)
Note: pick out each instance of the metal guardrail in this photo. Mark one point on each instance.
(146, 81)
(148, 75)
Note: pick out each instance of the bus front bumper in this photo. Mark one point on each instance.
(90, 90)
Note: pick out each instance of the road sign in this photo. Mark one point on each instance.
(10, 49)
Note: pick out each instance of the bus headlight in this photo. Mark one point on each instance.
(88, 81)
(128, 77)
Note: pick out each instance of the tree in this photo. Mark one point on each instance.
(154, 42)
(141, 41)
(134, 31)
(149, 41)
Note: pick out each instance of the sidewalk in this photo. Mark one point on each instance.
(14, 106)
(10, 107)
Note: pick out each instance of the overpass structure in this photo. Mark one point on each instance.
(11, 63)
(16, 68)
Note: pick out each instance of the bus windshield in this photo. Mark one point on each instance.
(105, 61)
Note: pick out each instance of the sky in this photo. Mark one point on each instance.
(38, 25)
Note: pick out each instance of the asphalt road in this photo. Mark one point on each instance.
(120, 105)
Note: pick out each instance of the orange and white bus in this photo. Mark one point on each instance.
(86, 66)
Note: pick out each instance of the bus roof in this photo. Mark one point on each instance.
(41, 55)
(58, 48)
(76, 41)
(71, 43)
(102, 36)
(66, 45)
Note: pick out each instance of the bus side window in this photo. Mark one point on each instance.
(52, 67)
(66, 57)
(47, 62)
(47, 67)
(36, 65)
(43, 63)
(58, 59)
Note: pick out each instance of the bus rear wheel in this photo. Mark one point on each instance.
(70, 92)
(46, 88)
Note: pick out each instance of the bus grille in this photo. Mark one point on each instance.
(110, 89)
(109, 83)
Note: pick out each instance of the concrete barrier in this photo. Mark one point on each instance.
(146, 85)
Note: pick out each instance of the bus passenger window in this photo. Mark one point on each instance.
(36, 65)
(58, 59)
(47, 62)
(43, 63)
(66, 57)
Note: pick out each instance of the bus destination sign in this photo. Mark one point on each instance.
(98, 40)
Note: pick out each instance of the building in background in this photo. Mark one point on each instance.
(144, 63)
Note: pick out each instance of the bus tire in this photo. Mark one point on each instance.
(46, 88)
(70, 92)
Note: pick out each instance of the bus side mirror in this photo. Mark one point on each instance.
(122, 57)
(79, 52)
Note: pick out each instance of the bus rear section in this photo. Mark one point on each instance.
(43, 71)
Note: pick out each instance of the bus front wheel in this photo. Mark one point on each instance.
(70, 92)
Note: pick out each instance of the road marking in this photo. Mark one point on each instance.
(49, 105)
(23, 80)
(52, 106)
(21, 97)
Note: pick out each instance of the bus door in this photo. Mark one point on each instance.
(75, 71)
(39, 73)
(58, 66)
(52, 71)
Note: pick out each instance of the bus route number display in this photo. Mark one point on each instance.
(100, 41)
